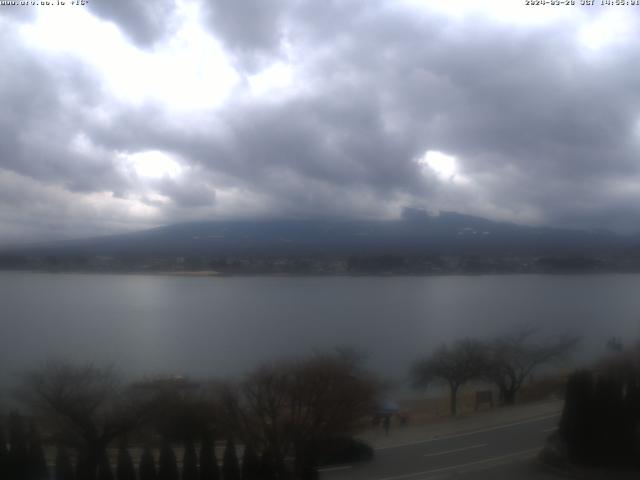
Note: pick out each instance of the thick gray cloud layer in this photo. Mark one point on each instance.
(142, 21)
(543, 128)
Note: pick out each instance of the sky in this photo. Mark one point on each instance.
(121, 115)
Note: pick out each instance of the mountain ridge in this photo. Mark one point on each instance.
(415, 233)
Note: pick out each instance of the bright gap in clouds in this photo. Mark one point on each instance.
(275, 78)
(443, 165)
(188, 71)
(152, 164)
(606, 29)
(596, 26)
(507, 11)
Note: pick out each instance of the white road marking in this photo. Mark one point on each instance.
(547, 430)
(335, 469)
(480, 445)
(458, 435)
(463, 465)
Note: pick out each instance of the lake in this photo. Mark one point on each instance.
(224, 326)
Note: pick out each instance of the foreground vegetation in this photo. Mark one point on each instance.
(282, 421)
(505, 361)
(600, 423)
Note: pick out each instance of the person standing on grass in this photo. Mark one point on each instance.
(386, 423)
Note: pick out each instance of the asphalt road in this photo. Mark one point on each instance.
(498, 452)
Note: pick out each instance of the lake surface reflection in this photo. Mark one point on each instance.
(222, 327)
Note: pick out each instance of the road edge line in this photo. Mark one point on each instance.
(464, 434)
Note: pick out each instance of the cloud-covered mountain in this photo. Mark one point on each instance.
(177, 110)
(417, 233)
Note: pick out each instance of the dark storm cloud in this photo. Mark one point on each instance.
(288, 151)
(252, 30)
(188, 194)
(543, 128)
(144, 22)
(528, 124)
(38, 121)
(565, 127)
(257, 31)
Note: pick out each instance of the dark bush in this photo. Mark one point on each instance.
(168, 466)
(209, 469)
(230, 468)
(147, 467)
(250, 464)
(63, 469)
(125, 469)
(267, 467)
(632, 410)
(37, 462)
(305, 463)
(4, 453)
(575, 425)
(608, 422)
(601, 417)
(104, 468)
(337, 450)
(190, 462)
(18, 456)
(84, 470)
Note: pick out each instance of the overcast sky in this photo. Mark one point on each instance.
(127, 114)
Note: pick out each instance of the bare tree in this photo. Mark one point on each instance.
(624, 365)
(287, 408)
(189, 410)
(512, 358)
(456, 365)
(89, 406)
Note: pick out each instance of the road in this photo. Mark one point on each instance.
(500, 451)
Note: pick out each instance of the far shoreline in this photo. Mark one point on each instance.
(217, 274)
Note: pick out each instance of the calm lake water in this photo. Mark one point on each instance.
(221, 327)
